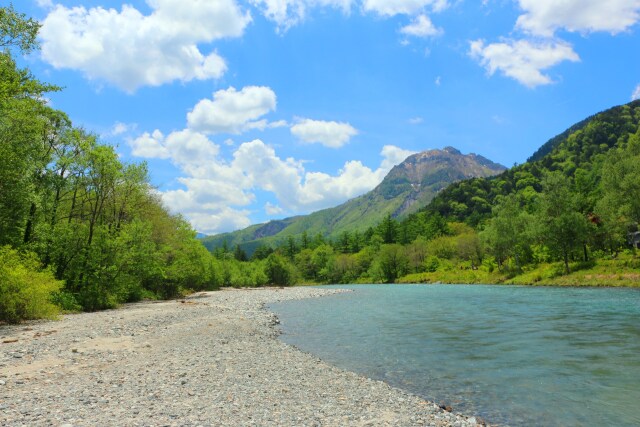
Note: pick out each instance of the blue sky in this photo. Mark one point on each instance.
(248, 111)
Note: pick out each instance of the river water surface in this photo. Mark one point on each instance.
(512, 355)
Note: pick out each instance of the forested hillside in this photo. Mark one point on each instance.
(579, 201)
(580, 154)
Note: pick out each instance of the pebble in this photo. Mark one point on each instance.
(214, 360)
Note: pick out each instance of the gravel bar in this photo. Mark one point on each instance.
(213, 358)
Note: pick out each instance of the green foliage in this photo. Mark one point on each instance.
(579, 151)
(93, 221)
(16, 30)
(390, 263)
(562, 227)
(279, 271)
(25, 288)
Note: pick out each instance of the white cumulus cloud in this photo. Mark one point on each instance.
(150, 146)
(233, 111)
(216, 192)
(392, 156)
(402, 7)
(636, 93)
(129, 50)
(45, 3)
(544, 17)
(120, 128)
(287, 13)
(300, 191)
(522, 60)
(272, 209)
(328, 133)
(421, 26)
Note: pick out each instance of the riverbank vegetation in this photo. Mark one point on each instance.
(79, 228)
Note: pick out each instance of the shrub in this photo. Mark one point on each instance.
(25, 288)
(66, 301)
(431, 264)
(278, 270)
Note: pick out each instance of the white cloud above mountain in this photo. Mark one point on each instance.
(526, 60)
(217, 191)
(636, 93)
(128, 49)
(232, 111)
(545, 17)
(522, 60)
(222, 184)
(287, 13)
(421, 26)
(403, 7)
(328, 133)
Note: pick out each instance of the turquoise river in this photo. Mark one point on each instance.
(511, 355)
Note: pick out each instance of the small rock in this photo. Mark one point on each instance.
(445, 407)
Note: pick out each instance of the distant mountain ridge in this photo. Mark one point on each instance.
(408, 187)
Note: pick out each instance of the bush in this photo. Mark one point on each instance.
(66, 301)
(25, 288)
(431, 264)
(278, 270)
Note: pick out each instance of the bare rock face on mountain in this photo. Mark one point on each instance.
(417, 179)
(408, 187)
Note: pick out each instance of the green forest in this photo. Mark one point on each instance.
(79, 229)
(82, 230)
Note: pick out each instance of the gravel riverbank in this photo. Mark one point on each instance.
(211, 359)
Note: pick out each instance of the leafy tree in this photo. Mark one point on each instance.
(262, 252)
(562, 227)
(392, 262)
(17, 31)
(239, 254)
(469, 248)
(417, 254)
(278, 270)
(620, 186)
(388, 230)
(508, 233)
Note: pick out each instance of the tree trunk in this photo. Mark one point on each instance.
(28, 230)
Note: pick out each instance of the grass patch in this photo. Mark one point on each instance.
(624, 271)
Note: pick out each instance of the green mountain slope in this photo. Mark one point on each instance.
(408, 187)
(578, 153)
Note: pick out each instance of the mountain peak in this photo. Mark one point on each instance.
(422, 175)
(451, 150)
